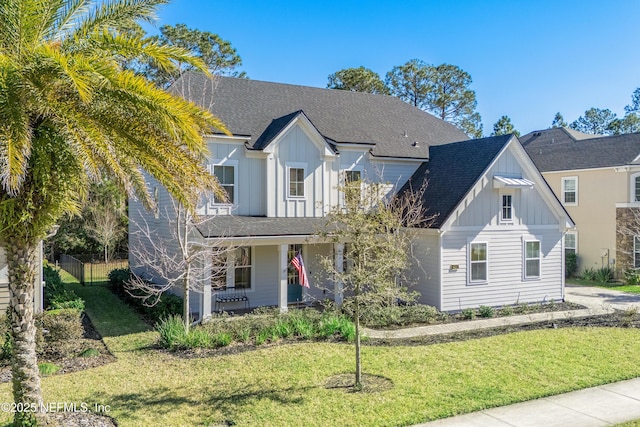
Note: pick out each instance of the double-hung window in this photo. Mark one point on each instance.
(478, 262)
(295, 180)
(227, 175)
(532, 259)
(570, 190)
(636, 252)
(570, 243)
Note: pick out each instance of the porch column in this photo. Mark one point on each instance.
(339, 263)
(282, 285)
(206, 291)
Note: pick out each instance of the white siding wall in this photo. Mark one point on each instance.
(321, 286)
(482, 206)
(505, 283)
(425, 268)
(4, 277)
(252, 183)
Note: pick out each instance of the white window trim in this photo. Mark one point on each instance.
(226, 162)
(288, 167)
(231, 270)
(569, 178)
(632, 188)
(524, 259)
(469, 263)
(502, 219)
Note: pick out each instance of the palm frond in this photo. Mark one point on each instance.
(116, 15)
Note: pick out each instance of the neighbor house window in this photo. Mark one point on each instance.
(506, 208)
(636, 252)
(635, 188)
(570, 190)
(478, 262)
(570, 243)
(226, 176)
(243, 266)
(293, 277)
(532, 259)
(295, 176)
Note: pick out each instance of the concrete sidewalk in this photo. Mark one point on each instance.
(597, 406)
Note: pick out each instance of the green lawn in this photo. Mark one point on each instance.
(616, 286)
(284, 385)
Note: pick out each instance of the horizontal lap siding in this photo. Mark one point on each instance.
(424, 274)
(505, 277)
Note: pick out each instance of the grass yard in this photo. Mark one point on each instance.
(285, 385)
(616, 286)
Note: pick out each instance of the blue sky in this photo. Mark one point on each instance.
(528, 59)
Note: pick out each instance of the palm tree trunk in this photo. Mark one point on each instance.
(22, 260)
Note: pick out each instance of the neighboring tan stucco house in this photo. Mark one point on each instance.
(597, 179)
(292, 147)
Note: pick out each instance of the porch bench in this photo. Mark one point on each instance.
(228, 296)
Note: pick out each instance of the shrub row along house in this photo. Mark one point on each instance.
(497, 233)
(597, 179)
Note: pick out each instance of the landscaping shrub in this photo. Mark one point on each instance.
(62, 324)
(55, 295)
(468, 314)
(486, 311)
(395, 315)
(167, 305)
(631, 278)
(47, 368)
(604, 275)
(570, 264)
(506, 311)
(589, 274)
(172, 332)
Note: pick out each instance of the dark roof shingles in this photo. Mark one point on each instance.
(451, 172)
(248, 107)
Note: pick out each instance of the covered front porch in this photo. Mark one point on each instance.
(258, 270)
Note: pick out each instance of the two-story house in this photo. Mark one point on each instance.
(597, 179)
(497, 239)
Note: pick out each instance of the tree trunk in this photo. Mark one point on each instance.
(22, 260)
(186, 311)
(358, 383)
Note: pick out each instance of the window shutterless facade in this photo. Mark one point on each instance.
(295, 180)
(531, 259)
(226, 172)
(478, 262)
(242, 268)
(571, 243)
(506, 208)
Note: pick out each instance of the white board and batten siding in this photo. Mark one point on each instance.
(477, 219)
(424, 273)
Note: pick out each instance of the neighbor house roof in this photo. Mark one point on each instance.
(563, 149)
(451, 172)
(252, 226)
(260, 110)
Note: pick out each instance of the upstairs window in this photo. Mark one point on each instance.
(296, 181)
(506, 210)
(227, 180)
(634, 195)
(570, 191)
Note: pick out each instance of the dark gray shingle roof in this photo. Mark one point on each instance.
(451, 172)
(250, 226)
(559, 149)
(249, 107)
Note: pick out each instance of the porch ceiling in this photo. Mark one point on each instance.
(253, 226)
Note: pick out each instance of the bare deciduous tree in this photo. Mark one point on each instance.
(173, 254)
(378, 232)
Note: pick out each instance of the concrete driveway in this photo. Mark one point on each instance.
(601, 298)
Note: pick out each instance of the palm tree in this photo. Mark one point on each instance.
(70, 114)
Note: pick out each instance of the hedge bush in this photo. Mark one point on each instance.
(166, 306)
(55, 295)
(62, 324)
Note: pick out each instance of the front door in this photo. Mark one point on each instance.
(294, 290)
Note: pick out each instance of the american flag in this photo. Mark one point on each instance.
(298, 263)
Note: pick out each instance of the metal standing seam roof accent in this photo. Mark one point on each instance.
(508, 182)
(226, 226)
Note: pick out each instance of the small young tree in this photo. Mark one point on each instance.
(106, 221)
(181, 259)
(378, 232)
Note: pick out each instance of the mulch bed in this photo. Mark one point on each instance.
(65, 354)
